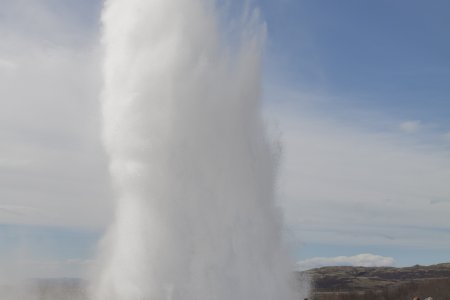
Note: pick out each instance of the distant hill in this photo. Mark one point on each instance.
(341, 283)
(45, 289)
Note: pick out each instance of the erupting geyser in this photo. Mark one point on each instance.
(192, 170)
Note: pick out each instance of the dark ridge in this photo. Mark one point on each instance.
(382, 283)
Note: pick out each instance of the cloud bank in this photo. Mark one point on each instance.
(360, 260)
(52, 168)
(344, 183)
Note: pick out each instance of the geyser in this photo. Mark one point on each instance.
(192, 169)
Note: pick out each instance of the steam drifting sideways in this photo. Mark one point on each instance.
(192, 170)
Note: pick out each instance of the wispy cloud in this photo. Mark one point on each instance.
(439, 201)
(410, 126)
(362, 260)
(49, 268)
(7, 64)
(60, 263)
(446, 136)
(343, 183)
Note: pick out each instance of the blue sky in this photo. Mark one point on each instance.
(378, 71)
(374, 55)
(357, 91)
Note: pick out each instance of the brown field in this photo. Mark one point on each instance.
(359, 283)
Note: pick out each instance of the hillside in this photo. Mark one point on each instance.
(380, 283)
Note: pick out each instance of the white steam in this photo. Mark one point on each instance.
(192, 169)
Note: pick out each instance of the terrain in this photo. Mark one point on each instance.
(342, 283)
(328, 283)
(45, 289)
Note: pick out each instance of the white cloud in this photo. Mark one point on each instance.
(51, 157)
(342, 184)
(410, 126)
(7, 64)
(360, 260)
(446, 136)
(26, 269)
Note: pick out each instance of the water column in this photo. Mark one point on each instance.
(192, 169)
